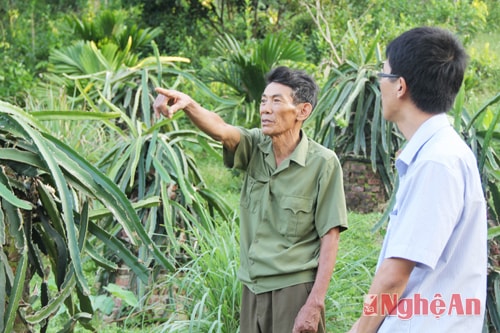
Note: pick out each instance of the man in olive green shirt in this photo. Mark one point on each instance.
(292, 207)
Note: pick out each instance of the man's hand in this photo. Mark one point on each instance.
(307, 319)
(169, 102)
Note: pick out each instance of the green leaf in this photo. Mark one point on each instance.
(103, 303)
(17, 289)
(90, 250)
(104, 190)
(66, 202)
(22, 157)
(73, 115)
(81, 317)
(175, 163)
(493, 232)
(46, 194)
(7, 195)
(2, 229)
(55, 302)
(145, 102)
(121, 251)
(487, 139)
(125, 295)
(3, 286)
(144, 203)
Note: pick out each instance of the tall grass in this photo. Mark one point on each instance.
(207, 293)
(356, 260)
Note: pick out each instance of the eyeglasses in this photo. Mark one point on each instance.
(389, 76)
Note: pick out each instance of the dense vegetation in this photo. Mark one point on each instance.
(108, 215)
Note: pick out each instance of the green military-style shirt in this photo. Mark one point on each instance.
(285, 211)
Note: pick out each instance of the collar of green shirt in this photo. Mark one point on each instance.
(299, 155)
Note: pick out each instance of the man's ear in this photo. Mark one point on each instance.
(304, 111)
(402, 87)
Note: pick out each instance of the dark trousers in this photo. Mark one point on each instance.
(274, 311)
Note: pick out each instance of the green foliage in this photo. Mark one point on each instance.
(332, 46)
(208, 293)
(483, 72)
(109, 28)
(15, 78)
(105, 46)
(28, 31)
(148, 164)
(493, 19)
(188, 29)
(102, 72)
(242, 68)
(106, 61)
(51, 224)
(125, 295)
(357, 257)
(348, 117)
(463, 16)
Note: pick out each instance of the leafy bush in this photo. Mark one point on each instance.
(348, 118)
(15, 79)
(242, 69)
(47, 225)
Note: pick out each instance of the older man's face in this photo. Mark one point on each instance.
(278, 113)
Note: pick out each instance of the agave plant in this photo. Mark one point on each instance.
(151, 159)
(49, 225)
(108, 58)
(348, 117)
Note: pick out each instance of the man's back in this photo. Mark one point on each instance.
(439, 222)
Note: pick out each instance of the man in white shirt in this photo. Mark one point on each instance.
(431, 274)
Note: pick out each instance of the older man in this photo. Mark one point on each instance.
(292, 207)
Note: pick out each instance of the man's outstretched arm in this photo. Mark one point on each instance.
(169, 102)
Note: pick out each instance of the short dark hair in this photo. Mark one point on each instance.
(432, 61)
(304, 88)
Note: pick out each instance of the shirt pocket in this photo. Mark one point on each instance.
(245, 192)
(253, 191)
(297, 218)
